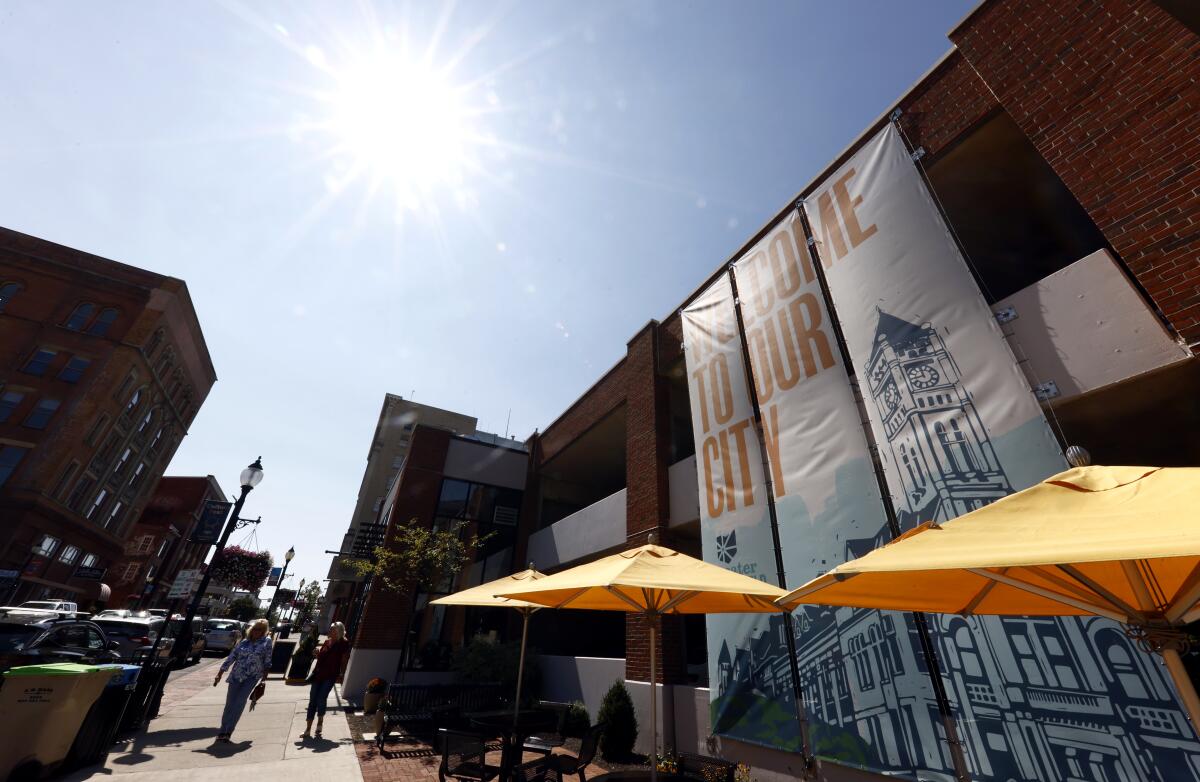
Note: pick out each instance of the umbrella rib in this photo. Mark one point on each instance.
(988, 585)
(1103, 593)
(1139, 586)
(1188, 594)
(683, 596)
(1068, 586)
(618, 593)
(1050, 594)
(572, 597)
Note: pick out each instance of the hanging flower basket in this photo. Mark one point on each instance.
(241, 569)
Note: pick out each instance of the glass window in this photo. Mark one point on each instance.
(114, 515)
(10, 457)
(75, 501)
(39, 361)
(8, 291)
(146, 421)
(8, 402)
(63, 480)
(134, 401)
(80, 317)
(90, 560)
(94, 640)
(94, 433)
(97, 503)
(157, 438)
(103, 322)
(155, 340)
(122, 461)
(69, 555)
(137, 474)
(74, 369)
(40, 415)
(163, 548)
(46, 545)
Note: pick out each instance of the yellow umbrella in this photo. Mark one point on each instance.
(651, 580)
(484, 596)
(1117, 542)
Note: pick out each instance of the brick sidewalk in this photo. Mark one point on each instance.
(418, 763)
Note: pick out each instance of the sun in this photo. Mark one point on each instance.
(402, 123)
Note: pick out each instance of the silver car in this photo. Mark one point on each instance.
(222, 634)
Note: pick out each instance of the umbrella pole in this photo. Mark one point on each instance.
(521, 665)
(1183, 685)
(653, 710)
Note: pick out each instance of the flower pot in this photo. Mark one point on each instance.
(371, 702)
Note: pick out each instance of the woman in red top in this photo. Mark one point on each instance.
(325, 673)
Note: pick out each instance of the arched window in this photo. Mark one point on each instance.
(1121, 665)
(8, 291)
(146, 420)
(134, 401)
(103, 322)
(81, 315)
(967, 652)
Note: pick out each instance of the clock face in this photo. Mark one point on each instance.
(922, 376)
(891, 396)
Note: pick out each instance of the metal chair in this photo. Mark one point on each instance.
(463, 757)
(546, 742)
(533, 771)
(570, 764)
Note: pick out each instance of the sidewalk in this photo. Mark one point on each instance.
(266, 744)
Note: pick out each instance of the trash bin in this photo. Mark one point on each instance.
(99, 728)
(41, 709)
(281, 654)
(147, 692)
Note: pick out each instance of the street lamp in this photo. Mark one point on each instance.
(250, 477)
(287, 558)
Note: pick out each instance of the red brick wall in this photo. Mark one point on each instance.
(385, 615)
(1107, 92)
(647, 495)
(945, 105)
(601, 399)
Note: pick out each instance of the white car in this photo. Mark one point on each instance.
(59, 606)
(221, 635)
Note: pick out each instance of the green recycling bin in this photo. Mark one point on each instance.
(41, 709)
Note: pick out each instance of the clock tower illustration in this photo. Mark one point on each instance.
(938, 444)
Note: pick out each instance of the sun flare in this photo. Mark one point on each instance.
(402, 123)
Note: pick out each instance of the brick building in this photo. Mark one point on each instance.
(103, 367)
(159, 546)
(1062, 140)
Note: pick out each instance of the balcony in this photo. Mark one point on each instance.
(598, 527)
(1083, 328)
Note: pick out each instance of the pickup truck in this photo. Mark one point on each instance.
(59, 606)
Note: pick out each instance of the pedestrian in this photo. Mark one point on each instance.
(329, 665)
(248, 665)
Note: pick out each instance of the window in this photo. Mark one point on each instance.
(80, 317)
(46, 546)
(122, 461)
(74, 369)
(103, 322)
(89, 560)
(8, 292)
(144, 544)
(114, 515)
(10, 457)
(94, 433)
(95, 641)
(69, 555)
(162, 550)
(8, 403)
(157, 438)
(145, 421)
(63, 480)
(129, 573)
(134, 401)
(137, 474)
(39, 361)
(155, 340)
(84, 485)
(97, 503)
(40, 415)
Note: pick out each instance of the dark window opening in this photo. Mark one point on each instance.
(1015, 218)
(586, 471)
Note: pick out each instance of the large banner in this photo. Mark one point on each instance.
(853, 663)
(735, 525)
(1037, 698)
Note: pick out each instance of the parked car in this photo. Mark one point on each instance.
(157, 612)
(30, 638)
(121, 613)
(223, 634)
(64, 606)
(134, 635)
(199, 631)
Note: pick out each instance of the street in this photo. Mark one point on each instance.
(266, 744)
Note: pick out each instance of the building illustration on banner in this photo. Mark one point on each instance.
(1037, 698)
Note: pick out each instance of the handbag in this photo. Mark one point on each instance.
(256, 694)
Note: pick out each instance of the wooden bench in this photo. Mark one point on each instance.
(425, 708)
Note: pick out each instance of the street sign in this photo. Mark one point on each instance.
(90, 573)
(185, 584)
(273, 578)
(211, 521)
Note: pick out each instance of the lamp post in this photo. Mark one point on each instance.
(250, 477)
(287, 559)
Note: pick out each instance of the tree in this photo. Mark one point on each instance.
(307, 602)
(620, 731)
(243, 609)
(419, 559)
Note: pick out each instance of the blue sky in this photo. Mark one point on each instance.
(604, 159)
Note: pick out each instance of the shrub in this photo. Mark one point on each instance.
(577, 721)
(620, 732)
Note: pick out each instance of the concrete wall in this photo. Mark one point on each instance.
(597, 527)
(587, 679)
(364, 665)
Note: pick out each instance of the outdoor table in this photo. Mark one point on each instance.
(639, 775)
(512, 732)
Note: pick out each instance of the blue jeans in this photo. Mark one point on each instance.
(235, 703)
(317, 694)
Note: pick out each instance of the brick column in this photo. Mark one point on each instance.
(1107, 91)
(647, 446)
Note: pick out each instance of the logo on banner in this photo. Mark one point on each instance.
(273, 578)
(727, 547)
